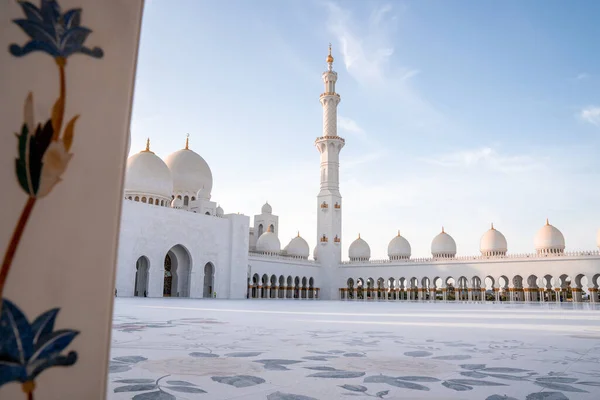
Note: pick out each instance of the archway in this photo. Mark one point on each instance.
(360, 286)
(281, 291)
(303, 290)
(350, 286)
(255, 281)
(391, 284)
(209, 280)
(450, 292)
(177, 267)
(288, 290)
(141, 277)
(297, 288)
(490, 288)
(381, 289)
(264, 282)
(273, 284)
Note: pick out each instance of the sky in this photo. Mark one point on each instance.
(455, 113)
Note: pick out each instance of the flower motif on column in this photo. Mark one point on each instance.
(27, 349)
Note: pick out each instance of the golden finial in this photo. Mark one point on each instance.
(329, 57)
(443, 230)
(398, 232)
(187, 141)
(493, 226)
(269, 229)
(298, 234)
(359, 235)
(547, 221)
(148, 144)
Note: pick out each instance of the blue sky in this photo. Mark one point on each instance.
(455, 113)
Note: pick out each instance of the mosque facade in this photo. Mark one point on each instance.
(175, 241)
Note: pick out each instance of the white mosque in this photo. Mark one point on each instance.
(175, 241)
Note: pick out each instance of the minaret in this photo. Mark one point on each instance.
(329, 203)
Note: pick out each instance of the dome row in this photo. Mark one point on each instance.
(183, 172)
(268, 243)
(548, 240)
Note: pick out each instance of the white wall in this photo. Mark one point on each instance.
(152, 231)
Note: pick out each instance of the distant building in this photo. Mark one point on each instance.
(175, 241)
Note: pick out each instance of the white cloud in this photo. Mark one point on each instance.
(488, 157)
(365, 47)
(350, 125)
(591, 115)
(582, 76)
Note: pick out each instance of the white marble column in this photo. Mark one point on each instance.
(593, 295)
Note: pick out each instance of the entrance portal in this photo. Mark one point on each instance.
(177, 269)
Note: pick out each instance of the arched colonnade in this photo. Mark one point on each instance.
(532, 288)
(272, 287)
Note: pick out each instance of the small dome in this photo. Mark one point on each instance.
(399, 248)
(268, 242)
(190, 173)
(315, 252)
(176, 203)
(219, 211)
(297, 248)
(443, 246)
(549, 240)
(148, 174)
(203, 194)
(359, 250)
(266, 208)
(493, 243)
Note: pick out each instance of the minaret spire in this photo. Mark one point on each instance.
(329, 199)
(330, 60)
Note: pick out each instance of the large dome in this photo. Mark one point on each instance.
(549, 240)
(359, 250)
(298, 248)
(399, 248)
(493, 243)
(268, 242)
(443, 246)
(148, 175)
(190, 173)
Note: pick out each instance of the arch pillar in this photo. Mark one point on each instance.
(593, 295)
(557, 294)
(497, 294)
(577, 294)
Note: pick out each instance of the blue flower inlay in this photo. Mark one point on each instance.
(52, 32)
(26, 350)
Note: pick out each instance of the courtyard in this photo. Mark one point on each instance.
(172, 348)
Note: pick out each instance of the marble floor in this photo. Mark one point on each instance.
(166, 349)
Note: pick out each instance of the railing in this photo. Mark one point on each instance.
(427, 260)
(330, 137)
(275, 256)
